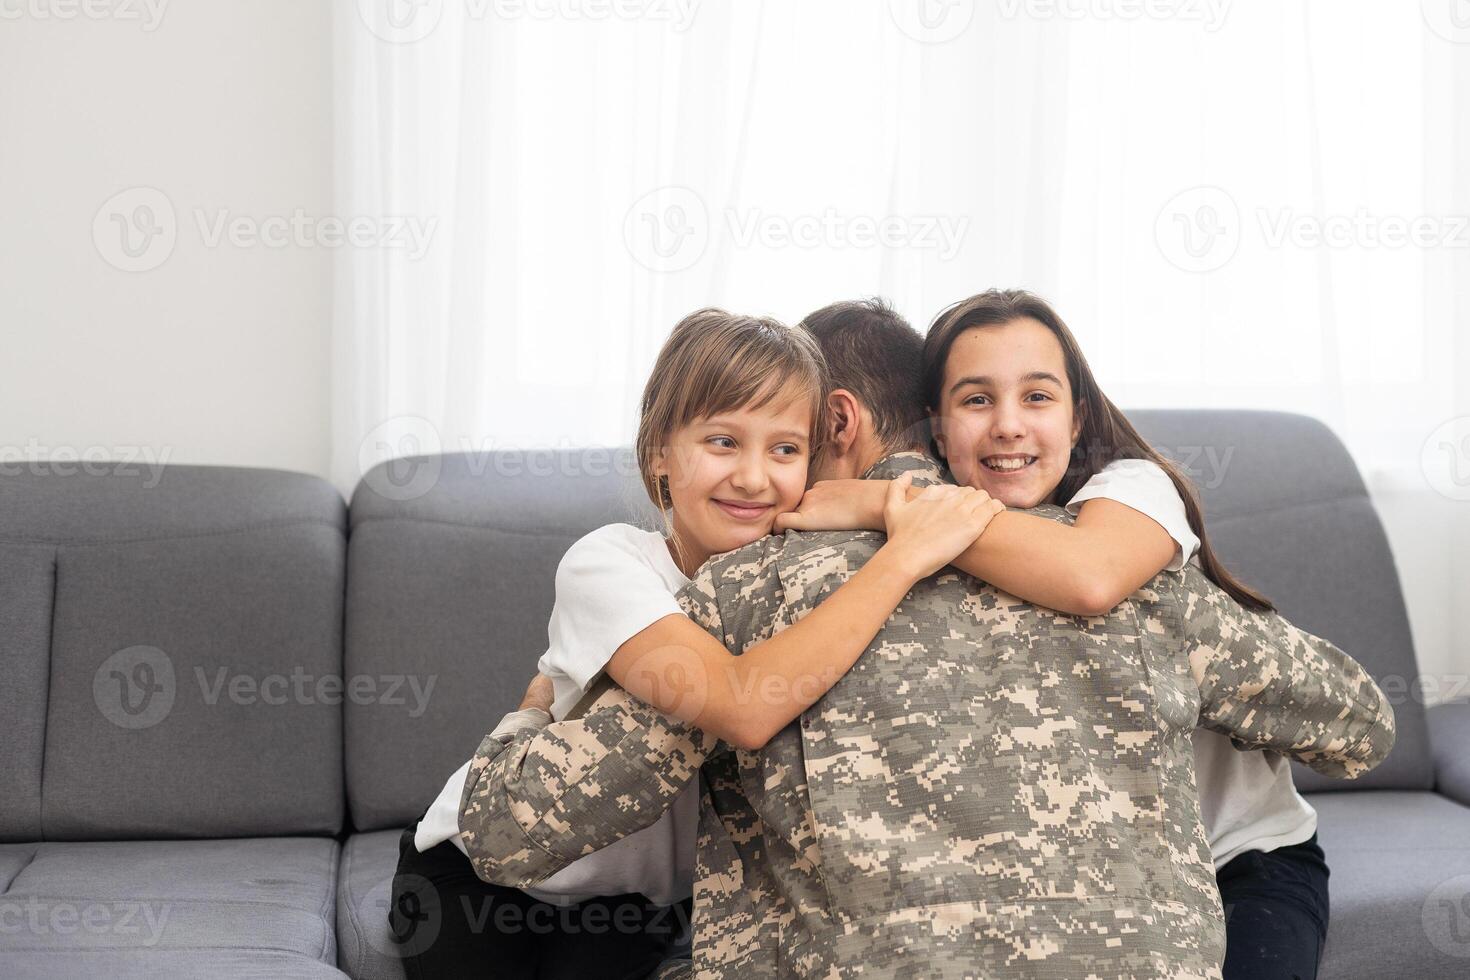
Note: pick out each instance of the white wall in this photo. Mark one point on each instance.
(219, 354)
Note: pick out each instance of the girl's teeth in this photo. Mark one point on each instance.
(1008, 464)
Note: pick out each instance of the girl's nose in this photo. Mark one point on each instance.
(750, 476)
(1007, 423)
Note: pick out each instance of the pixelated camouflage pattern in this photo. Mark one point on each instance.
(994, 790)
(536, 800)
(680, 969)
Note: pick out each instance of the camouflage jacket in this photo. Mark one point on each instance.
(993, 790)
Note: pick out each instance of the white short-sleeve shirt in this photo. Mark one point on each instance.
(1247, 800)
(611, 585)
(1143, 485)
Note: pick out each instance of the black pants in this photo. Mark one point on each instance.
(1276, 912)
(449, 923)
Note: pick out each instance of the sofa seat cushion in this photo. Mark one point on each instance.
(365, 947)
(116, 901)
(1399, 885)
(160, 964)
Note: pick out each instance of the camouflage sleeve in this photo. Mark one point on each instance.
(1269, 685)
(680, 969)
(535, 802)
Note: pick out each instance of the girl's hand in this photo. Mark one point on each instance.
(539, 694)
(934, 528)
(838, 505)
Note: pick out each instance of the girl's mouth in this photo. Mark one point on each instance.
(1008, 463)
(743, 510)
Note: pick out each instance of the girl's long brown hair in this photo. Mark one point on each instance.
(1106, 434)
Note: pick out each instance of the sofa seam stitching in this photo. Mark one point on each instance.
(21, 870)
(329, 929)
(243, 529)
(536, 533)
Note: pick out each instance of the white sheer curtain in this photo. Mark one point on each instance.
(1231, 204)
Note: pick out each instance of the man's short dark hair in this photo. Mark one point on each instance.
(877, 355)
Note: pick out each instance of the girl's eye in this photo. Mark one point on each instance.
(723, 442)
(789, 450)
(975, 400)
(1039, 394)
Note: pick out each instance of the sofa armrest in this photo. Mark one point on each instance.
(1449, 740)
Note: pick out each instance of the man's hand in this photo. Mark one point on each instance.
(539, 694)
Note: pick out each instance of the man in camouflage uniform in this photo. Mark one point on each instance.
(993, 790)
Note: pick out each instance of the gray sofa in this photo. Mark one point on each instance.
(226, 692)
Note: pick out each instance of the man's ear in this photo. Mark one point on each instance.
(843, 420)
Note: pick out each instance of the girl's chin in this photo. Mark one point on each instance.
(741, 537)
(1022, 498)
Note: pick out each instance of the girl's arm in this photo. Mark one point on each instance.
(745, 700)
(1084, 569)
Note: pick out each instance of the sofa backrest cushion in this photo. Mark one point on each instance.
(1288, 513)
(165, 635)
(451, 575)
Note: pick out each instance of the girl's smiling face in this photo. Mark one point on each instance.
(1005, 420)
(731, 474)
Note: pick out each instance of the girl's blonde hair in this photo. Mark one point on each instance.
(717, 362)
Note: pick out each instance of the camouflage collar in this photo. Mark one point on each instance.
(894, 465)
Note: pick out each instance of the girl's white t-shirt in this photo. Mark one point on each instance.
(618, 580)
(611, 585)
(1247, 800)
